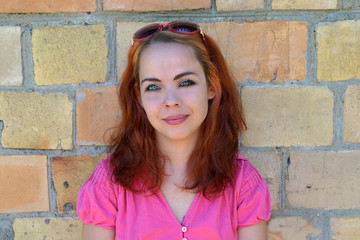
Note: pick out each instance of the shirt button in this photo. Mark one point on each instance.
(184, 229)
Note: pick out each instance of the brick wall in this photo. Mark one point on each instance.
(297, 65)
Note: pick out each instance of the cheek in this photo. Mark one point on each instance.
(150, 105)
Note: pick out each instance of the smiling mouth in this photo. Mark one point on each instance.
(176, 119)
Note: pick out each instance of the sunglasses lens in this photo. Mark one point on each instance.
(184, 27)
(147, 31)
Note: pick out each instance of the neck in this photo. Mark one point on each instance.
(177, 152)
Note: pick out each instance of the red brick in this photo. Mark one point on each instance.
(159, 5)
(23, 184)
(96, 112)
(273, 51)
(51, 6)
(69, 174)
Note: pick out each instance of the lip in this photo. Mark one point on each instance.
(176, 119)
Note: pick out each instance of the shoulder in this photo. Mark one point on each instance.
(102, 181)
(102, 172)
(247, 178)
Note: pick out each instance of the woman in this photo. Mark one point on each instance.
(174, 171)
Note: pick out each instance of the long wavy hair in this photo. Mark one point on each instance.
(138, 165)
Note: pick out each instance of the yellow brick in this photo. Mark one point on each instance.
(338, 49)
(273, 51)
(47, 228)
(279, 116)
(304, 4)
(69, 175)
(352, 115)
(36, 121)
(10, 56)
(23, 184)
(268, 165)
(232, 5)
(124, 34)
(293, 228)
(69, 55)
(324, 180)
(345, 228)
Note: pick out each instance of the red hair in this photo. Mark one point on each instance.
(135, 155)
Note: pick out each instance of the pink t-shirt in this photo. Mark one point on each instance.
(103, 203)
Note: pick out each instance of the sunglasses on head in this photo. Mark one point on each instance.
(180, 27)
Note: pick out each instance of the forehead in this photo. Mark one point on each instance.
(160, 56)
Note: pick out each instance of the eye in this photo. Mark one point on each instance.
(152, 87)
(186, 83)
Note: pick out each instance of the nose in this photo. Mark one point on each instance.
(172, 99)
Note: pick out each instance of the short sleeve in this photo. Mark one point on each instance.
(254, 202)
(96, 203)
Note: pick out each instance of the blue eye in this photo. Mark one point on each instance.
(152, 87)
(187, 83)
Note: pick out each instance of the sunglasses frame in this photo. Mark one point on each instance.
(168, 26)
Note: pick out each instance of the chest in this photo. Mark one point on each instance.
(178, 200)
(142, 216)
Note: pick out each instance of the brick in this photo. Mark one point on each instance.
(52, 6)
(345, 228)
(97, 112)
(36, 121)
(23, 184)
(268, 165)
(69, 174)
(324, 180)
(69, 55)
(280, 116)
(352, 115)
(10, 56)
(304, 4)
(159, 5)
(124, 33)
(273, 51)
(337, 50)
(233, 5)
(47, 228)
(294, 228)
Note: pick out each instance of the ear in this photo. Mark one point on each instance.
(211, 93)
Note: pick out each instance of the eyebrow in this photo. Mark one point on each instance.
(175, 78)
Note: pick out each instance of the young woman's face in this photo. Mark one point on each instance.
(173, 89)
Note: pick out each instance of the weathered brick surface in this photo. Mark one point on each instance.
(10, 56)
(304, 4)
(233, 5)
(69, 174)
(268, 165)
(280, 116)
(36, 121)
(338, 49)
(97, 112)
(23, 184)
(324, 180)
(47, 228)
(69, 55)
(294, 228)
(159, 5)
(273, 51)
(51, 6)
(124, 34)
(352, 115)
(345, 228)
